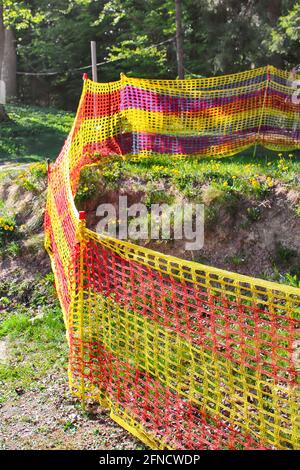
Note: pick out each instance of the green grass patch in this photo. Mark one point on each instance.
(35, 346)
(226, 171)
(33, 133)
(31, 324)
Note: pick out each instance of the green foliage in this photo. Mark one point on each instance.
(38, 170)
(184, 180)
(50, 324)
(290, 279)
(284, 38)
(287, 278)
(20, 15)
(13, 249)
(69, 426)
(43, 292)
(253, 213)
(237, 259)
(137, 38)
(88, 184)
(33, 178)
(156, 196)
(111, 173)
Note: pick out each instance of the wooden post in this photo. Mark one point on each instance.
(179, 39)
(94, 61)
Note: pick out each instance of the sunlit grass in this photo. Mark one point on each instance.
(284, 167)
(34, 347)
(32, 328)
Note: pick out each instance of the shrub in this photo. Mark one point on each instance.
(88, 184)
(32, 178)
(111, 173)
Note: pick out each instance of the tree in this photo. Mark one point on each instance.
(285, 36)
(3, 115)
(179, 39)
(127, 30)
(15, 17)
(9, 64)
(138, 38)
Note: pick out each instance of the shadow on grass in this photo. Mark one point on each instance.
(261, 155)
(33, 134)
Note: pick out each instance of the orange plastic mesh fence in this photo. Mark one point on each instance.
(184, 355)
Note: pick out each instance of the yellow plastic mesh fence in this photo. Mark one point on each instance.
(184, 355)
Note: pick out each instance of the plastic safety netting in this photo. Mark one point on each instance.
(184, 355)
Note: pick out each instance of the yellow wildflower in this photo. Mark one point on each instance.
(255, 183)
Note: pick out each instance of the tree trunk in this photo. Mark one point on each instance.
(9, 65)
(3, 115)
(179, 39)
(274, 11)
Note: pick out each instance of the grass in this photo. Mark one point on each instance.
(236, 171)
(32, 326)
(248, 175)
(34, 349)
(33, 134)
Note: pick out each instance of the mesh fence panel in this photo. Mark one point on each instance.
(184, 355)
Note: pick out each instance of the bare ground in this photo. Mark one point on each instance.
(231, 241)
(47, 417)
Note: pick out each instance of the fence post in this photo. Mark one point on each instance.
(94, 61)
(262, 110)
(80, 297)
